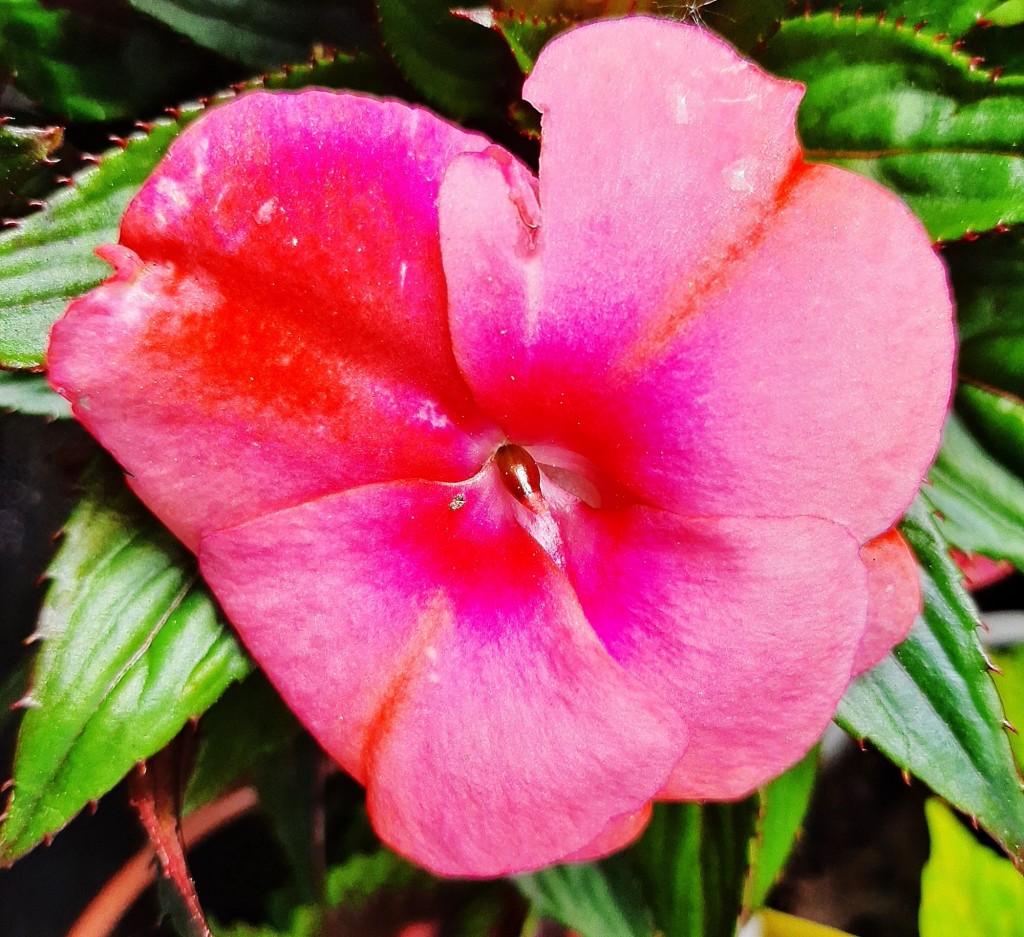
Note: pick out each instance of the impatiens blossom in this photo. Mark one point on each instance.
(539, 498)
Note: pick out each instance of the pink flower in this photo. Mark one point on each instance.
(537, 499)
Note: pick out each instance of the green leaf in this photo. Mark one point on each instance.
(980, 503)
(744, 23)
(364, 876)
(1000, 48)
(351, 885)
(1006, 13)
(84, 67)
(256, 33)
(683, 878)
(994, 358)
(692, 861)
(13, 686)
(246, 726)
(525, 35)
(23, 153)
(988, 281)
(288, 790)
(1010, 684)
(942, 16)
(996, 419)
(29, 393)
(461, 68)
(906, 110)
(132, 648)
(597, 899)
(782, 807)
(50, 260)
(966, 889)
(931, 706)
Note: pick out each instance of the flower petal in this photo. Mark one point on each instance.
(441, 658)
(747, 628)
(618, 833)
(894, 597)
(775, 343)
(632, 203)
(276, 328)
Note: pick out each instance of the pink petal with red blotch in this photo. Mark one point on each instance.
(747, 628)
(894, 597)
(443, 659)
(723, 334)
(276, 328)
(680, 318)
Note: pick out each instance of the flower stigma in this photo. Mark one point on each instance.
(520, 474)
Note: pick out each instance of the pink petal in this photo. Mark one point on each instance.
(720, 328)
(276, 328)
(746, 627)
(894, 597)
(442, 659)
(618, 833)
(980, 571)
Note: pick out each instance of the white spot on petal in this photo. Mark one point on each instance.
(169, 189)
(738, 175)
(677, 100)
(201, 151)
(429, 413)
(746, 99)
(265, 212)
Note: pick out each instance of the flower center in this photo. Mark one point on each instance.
(520, 473)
